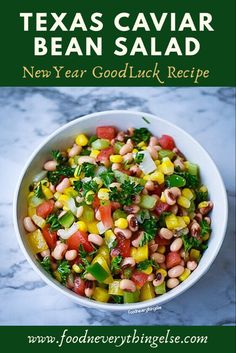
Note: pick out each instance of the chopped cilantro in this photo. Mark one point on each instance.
(205, 228)
(64, 270)
(126, 194)
(39, 192)
(46, 264)
(138, 158)
(142, 134)
(145, 264)
(115, 263)
(52, 219)
(62, 170)
(107, 177)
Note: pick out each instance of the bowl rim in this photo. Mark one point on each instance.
(157, 301)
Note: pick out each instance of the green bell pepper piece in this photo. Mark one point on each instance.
(67, 219)
(97, 271)
(161, 289)
(117, 147)
(166, 153)
(175, 180)
(122, 177)
(100, 144)
(131, 297)
(119, 214)
(147, 201)
(192, 168)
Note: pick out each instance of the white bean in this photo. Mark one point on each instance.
(29, 225)
(128, 147)
(176, 271)
(127, 285)
(95, 239)
(166, 233)
(52, 187)
(153, 152)
(149, 185)
(128, 261)
(191, 265)
(86, 159)
(50, 166)
(116, 166)
(65, 183)
(71, 255)
(159, 258)
(58, 204)
(172, 283)
(59, 251)
(176, 245)
(74, 150)
(153, 141)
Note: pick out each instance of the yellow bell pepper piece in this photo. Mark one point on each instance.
(37, 242)
(184, 275)
(104, 251)
(147, 292)
(92, 227)
(148, 270)
(39, 221)
(31, 211)
(101, 260)
(195, 254)
(101, 295)
(171, 222)
(167, 167)
(47, 192)
(140, 254)
(70, 192)
(114, 288)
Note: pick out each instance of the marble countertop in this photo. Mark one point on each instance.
(28, 115)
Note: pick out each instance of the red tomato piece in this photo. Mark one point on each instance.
(161, 241)
(123, 245)
(105, 154)
(45, 208)
(172, 259)
(50, 237)
(139, 278)
(79, 286)
(161, 207)
(166, 142)
(77, 239)
(105, 212)
(106, 132)
(96, 202)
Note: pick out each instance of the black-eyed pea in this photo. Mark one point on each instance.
(176, 245)
(176, 271)
(95, 239)
(45, 253)
(172, 283)
(50, 166)
(166, 233)
(59, 251)
(75, 150)
(64, 184)
(29, 225)
(71, 255)
(127, 285)
(158, 258)
(191, 265)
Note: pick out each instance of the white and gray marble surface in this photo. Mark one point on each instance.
(28, 115)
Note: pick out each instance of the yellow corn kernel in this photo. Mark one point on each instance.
(94, 153)
(135, 150)
(64, 200)
(203, 188)
(76, 268)
(162, 198)
(187, 193)
(144, 148)
(141, 144)
(47, 192)
(158, 176)
(167, 166)
(161, 249)
(186, 220)
(148, 270)
(81, 140)
(205, 237)
(171, 222)
(89, 197)
(203, 204)
(82, 226)
(184, 275)
(103, 194)
(92, 227)
(71, 161)
(157, 162)
(57, 195)
(183, 202)
(101, 295)
(116, 158)
(109, 235)
(162, 272)
(121, 223)
(140, 254)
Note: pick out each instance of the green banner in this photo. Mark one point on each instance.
(117, 43)
(193, 339)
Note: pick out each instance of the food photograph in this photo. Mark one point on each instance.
(117, 206)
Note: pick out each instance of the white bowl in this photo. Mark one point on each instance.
(64, 137)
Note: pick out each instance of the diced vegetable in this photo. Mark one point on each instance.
(77, 239)
(79, 286)
(97, 271)
(37, 242)
(140, 254)
(67, 219)
(147, 292)
(175, 180)
(106, 132)
(139, 278)
(172, 259)
(101, 295)
(114, 288)
(147, 165)
(130, 297)
(100, 144)
(44, 209)
(105, 212)
(161, 289)
(192, 168)
(148, 201)
(50, 237)
(68, 232)
(167, 142)
(166, 153)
